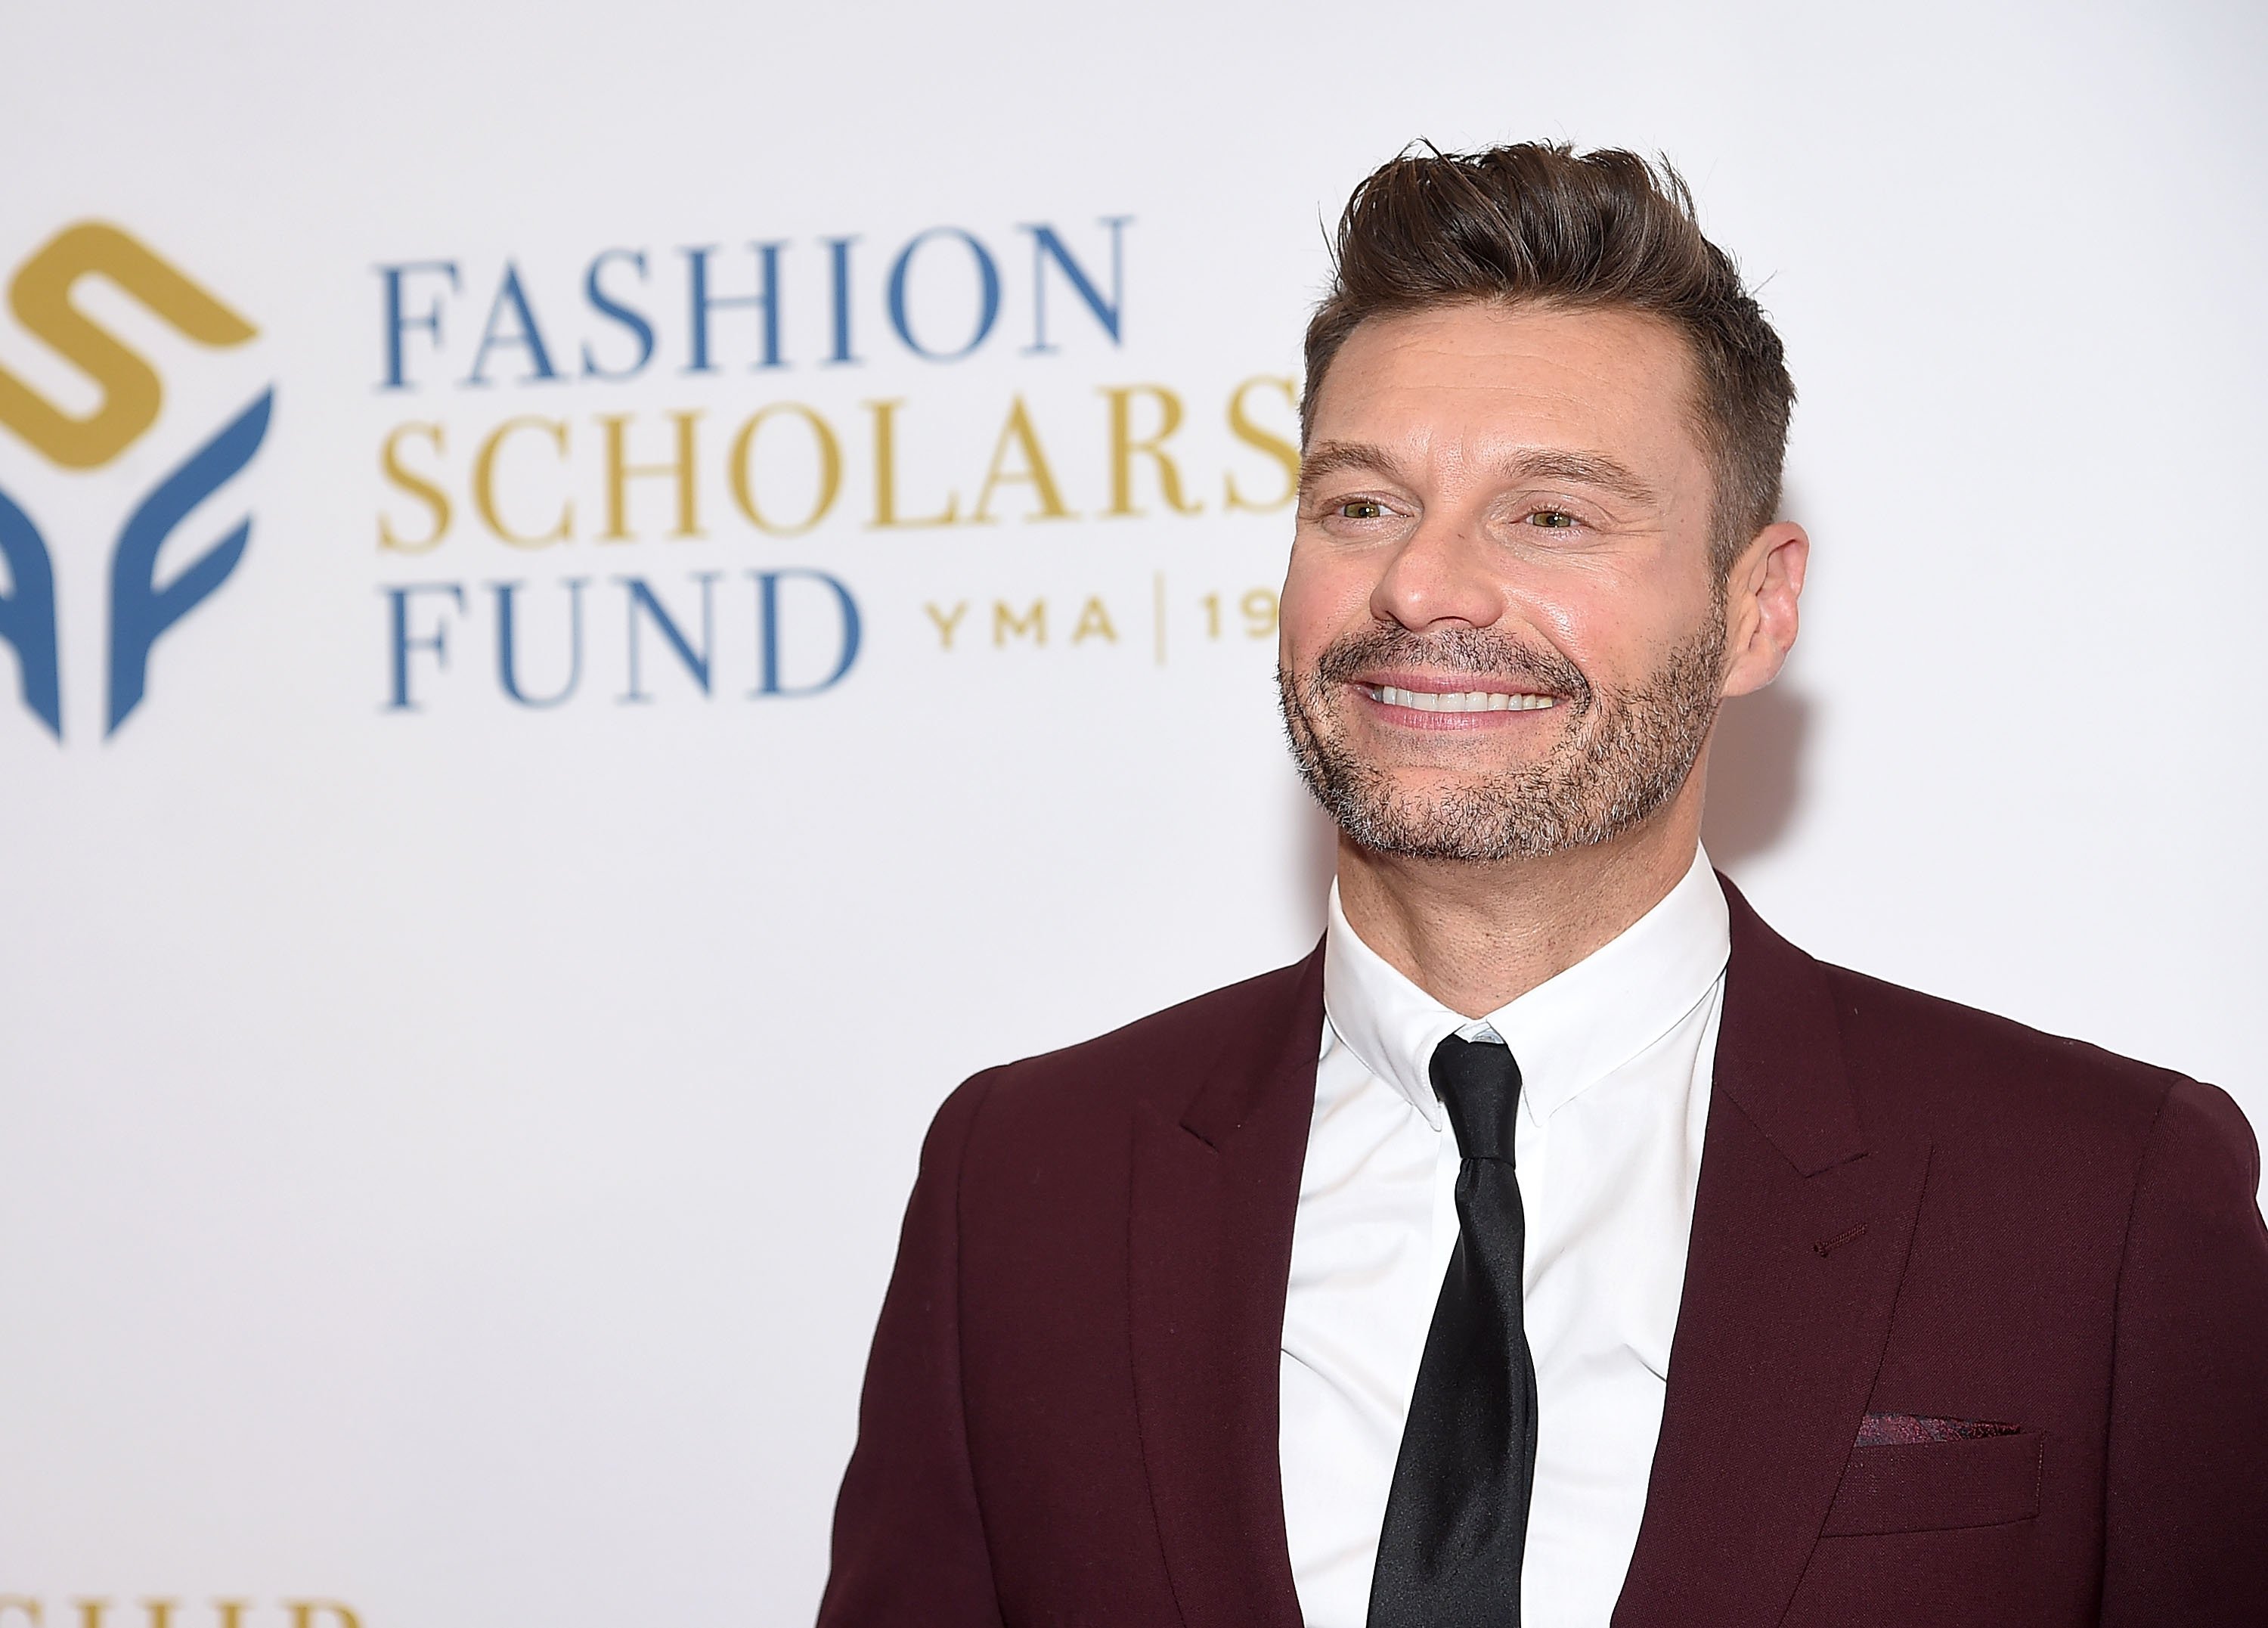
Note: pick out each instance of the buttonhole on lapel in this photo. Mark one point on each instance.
(1838, 1240)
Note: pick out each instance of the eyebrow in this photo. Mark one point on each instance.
(1592, 469)
(1328, 458)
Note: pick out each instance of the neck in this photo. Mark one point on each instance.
(1477, 937)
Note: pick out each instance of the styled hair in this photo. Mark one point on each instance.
(1539, 223)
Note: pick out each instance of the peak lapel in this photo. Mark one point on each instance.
(1799, 1233)
(1214, 1194)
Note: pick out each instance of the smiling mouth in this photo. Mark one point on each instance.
(1457, 700)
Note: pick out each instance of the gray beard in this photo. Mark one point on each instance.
(1624, 753)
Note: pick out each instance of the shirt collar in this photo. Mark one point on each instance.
(1567, 1032)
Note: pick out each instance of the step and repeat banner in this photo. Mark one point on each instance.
(596, 606)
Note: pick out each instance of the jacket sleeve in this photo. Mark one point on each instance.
(2185, 1503)
(909, 1548)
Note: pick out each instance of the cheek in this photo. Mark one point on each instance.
(1325, 594)
(1619, 633)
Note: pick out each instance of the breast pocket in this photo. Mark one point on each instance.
(1936, 1485)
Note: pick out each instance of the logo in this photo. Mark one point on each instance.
(603, 462)
(128, 395)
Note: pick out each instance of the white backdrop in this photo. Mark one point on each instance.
(453, 1152)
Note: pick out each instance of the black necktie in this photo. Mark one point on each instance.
(1456, 1522)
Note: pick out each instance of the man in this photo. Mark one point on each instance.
(1612, 1259)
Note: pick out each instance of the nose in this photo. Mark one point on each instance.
(1441, 576)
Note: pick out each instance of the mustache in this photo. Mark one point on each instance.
(1485, 652)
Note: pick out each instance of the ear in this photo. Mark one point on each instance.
(1761, 592)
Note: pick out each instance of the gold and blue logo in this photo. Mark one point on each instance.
(130, 394)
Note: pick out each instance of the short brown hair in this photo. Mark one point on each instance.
(1540, 222)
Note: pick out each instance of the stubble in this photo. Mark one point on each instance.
(1621, 753)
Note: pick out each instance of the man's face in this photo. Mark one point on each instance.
(1502, 633)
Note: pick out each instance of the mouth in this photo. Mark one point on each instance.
(1458, 700)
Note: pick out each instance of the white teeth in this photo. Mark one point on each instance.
(1460, 700)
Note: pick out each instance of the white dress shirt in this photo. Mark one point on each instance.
(1615, 1057)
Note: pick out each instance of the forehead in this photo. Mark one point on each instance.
(1468, 379)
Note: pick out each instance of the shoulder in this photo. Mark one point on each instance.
(1160, 1060)
(1954, 1073)
(1920, 1069)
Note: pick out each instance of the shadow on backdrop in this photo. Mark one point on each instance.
(1755, 773)
(1316, 857)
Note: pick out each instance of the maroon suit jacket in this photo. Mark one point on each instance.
(1914, 1221)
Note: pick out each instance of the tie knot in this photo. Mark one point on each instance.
(1478, 1083)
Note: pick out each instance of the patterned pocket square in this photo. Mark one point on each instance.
(1905, 1430)
(1913, 1473)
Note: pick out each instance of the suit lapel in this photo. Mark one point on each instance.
(1799, 1233)
(1214, 1193)
(1800, 1227)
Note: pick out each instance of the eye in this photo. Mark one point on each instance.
(1552, 519)
(1361, 509)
